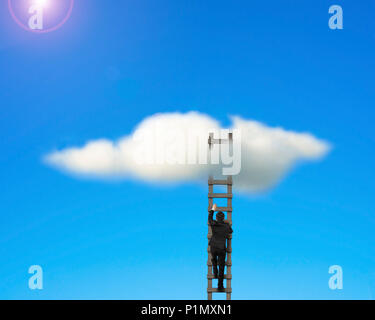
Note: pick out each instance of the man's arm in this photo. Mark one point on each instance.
(230, 231)
(211, 214)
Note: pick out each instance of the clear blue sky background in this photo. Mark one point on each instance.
(116, 62)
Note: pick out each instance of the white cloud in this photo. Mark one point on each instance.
(267, 154)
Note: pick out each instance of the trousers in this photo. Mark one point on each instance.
(218, 259)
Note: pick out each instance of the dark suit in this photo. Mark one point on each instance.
(218, 241)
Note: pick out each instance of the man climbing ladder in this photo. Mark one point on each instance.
(218, 244)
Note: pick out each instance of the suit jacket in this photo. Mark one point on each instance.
(220, 232)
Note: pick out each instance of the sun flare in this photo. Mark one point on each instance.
(41, 3)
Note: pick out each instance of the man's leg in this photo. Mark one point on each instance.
(221, 255)
(214, 261)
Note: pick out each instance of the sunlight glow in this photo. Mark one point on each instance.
(42, 3)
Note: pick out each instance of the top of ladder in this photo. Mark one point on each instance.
(212, 141)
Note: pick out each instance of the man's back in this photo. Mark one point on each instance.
(220, 232)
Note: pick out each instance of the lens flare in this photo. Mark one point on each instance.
(22, 17)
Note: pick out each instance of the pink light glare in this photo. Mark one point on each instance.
(44, 3)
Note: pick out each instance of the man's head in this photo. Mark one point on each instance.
(220, 216)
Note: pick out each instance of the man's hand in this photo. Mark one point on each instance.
(214, 207)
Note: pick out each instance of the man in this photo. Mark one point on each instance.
(220, 232)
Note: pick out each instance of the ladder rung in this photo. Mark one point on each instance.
(226, 221)
(220, 195)
(227, 250)
(220, 182)
(222, 209)
(218, 141)
(226, 276)
(228, 264)
(225, 290)
(209, 236)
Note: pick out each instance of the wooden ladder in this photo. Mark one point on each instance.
(228, 209)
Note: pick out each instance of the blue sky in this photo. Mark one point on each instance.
(113, 64)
